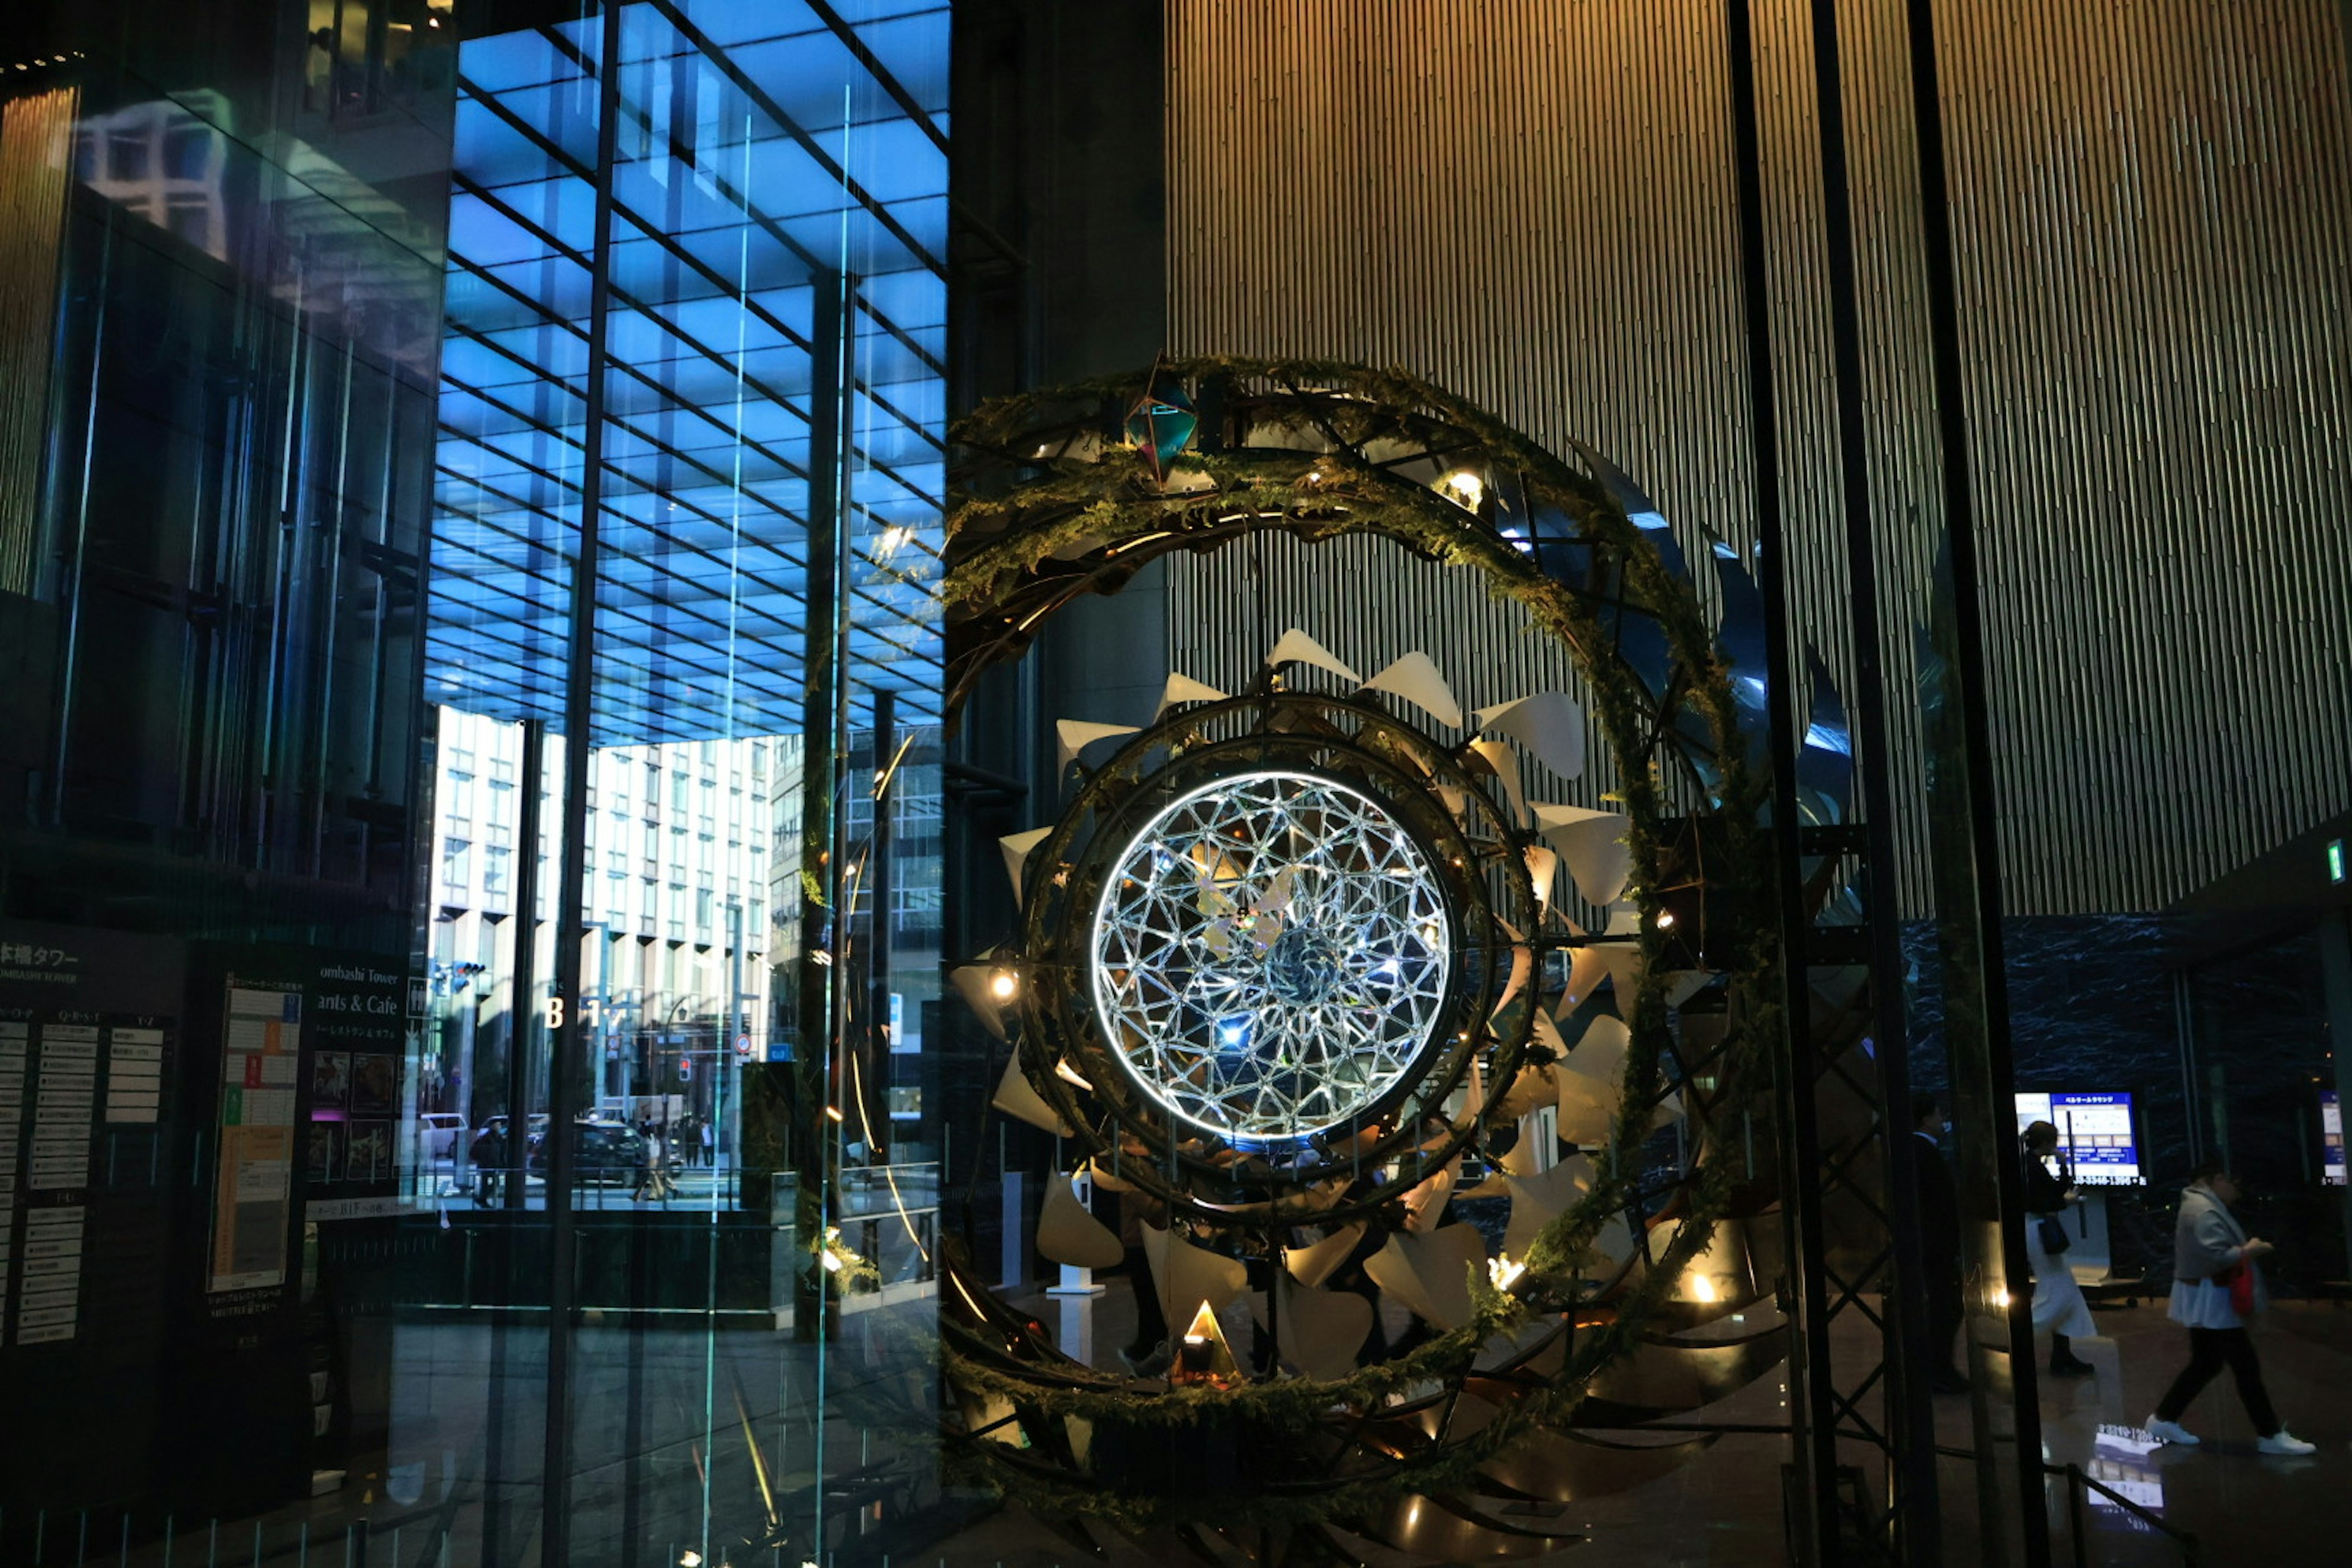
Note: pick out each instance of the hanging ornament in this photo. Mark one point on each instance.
(1162, 423)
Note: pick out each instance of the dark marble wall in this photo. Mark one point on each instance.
(2093, 1005)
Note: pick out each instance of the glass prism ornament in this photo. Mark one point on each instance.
(1162, 423)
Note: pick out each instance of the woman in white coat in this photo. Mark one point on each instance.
(2058, 1304)
(2210, 1249)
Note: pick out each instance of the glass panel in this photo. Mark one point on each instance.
(760, 284)
(478, 998)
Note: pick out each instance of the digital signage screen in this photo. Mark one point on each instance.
(2331, 1139)
(2095, 1134)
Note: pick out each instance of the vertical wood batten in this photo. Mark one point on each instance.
(1531, 204)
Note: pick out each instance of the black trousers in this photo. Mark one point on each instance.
(2209, 1351)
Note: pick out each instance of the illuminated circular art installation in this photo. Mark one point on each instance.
(1272, 956)
(1191, 1000)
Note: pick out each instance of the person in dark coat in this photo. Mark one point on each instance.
(1939, 1242)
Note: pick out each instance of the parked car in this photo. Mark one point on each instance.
(602, 1152)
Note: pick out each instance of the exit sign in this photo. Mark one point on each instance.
(2336, 860)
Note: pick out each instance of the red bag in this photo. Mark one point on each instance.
(2240, 1278)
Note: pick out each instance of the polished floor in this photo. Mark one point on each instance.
(1725, 1509)
(671, 1419)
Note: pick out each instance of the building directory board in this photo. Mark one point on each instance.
(2331, 1138)
(256, 1175)
(2095, 1134)
(86, 1040)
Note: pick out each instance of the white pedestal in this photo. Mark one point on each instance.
(1015, 1266)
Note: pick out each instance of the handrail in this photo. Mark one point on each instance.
(2076, 1480)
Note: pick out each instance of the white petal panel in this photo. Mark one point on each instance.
(1505, 763)
(1016, 1098)
(1068, 1235)
(1601, 1048)
(1105, 1179)
(1592, 843)
(1317, 1261)
(1415, 678)
(1076, 735)
(1297, 646)
(1586, 968)
(1543, 871)
(1624, 962)
(1587, 1106)
(1537, 1200)
(1431, 1274)
(1183, 689)
(1549, 725)
(972, 982)
(1188, 1276)
(1320, 1332)
(1017, 847)
(1530, 1089)
(1424, 1202)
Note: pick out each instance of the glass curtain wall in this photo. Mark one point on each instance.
(221, 249)
(512, 812)
(693, 357)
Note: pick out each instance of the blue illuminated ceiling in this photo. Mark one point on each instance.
(759, 143)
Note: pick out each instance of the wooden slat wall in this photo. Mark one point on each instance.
(1532, 203)
(36, 162)
(1231, 612)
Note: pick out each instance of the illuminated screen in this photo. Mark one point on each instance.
(2095, 1134)
(2331, 1138)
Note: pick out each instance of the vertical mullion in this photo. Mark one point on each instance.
(564, 1040)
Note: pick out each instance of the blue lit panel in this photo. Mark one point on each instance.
(759, 145)
(2097, 1138)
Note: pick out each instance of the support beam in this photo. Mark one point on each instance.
(567, 1040)
(2008, 1419)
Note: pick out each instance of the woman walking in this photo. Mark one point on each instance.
(2058, 1303)
(2217, 1284)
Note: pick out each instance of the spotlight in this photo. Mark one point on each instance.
(1464, 487)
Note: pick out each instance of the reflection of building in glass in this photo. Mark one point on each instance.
(681, 845)
(765, 452)
(165, 162)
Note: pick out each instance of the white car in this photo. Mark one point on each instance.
(437, 1132)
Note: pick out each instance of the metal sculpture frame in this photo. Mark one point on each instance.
(1068, 493)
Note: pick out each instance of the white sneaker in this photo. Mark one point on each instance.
(2285, 1442)
(2174, 1432)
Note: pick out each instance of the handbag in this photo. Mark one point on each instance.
(2054, 1240)
(2240, 1278)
